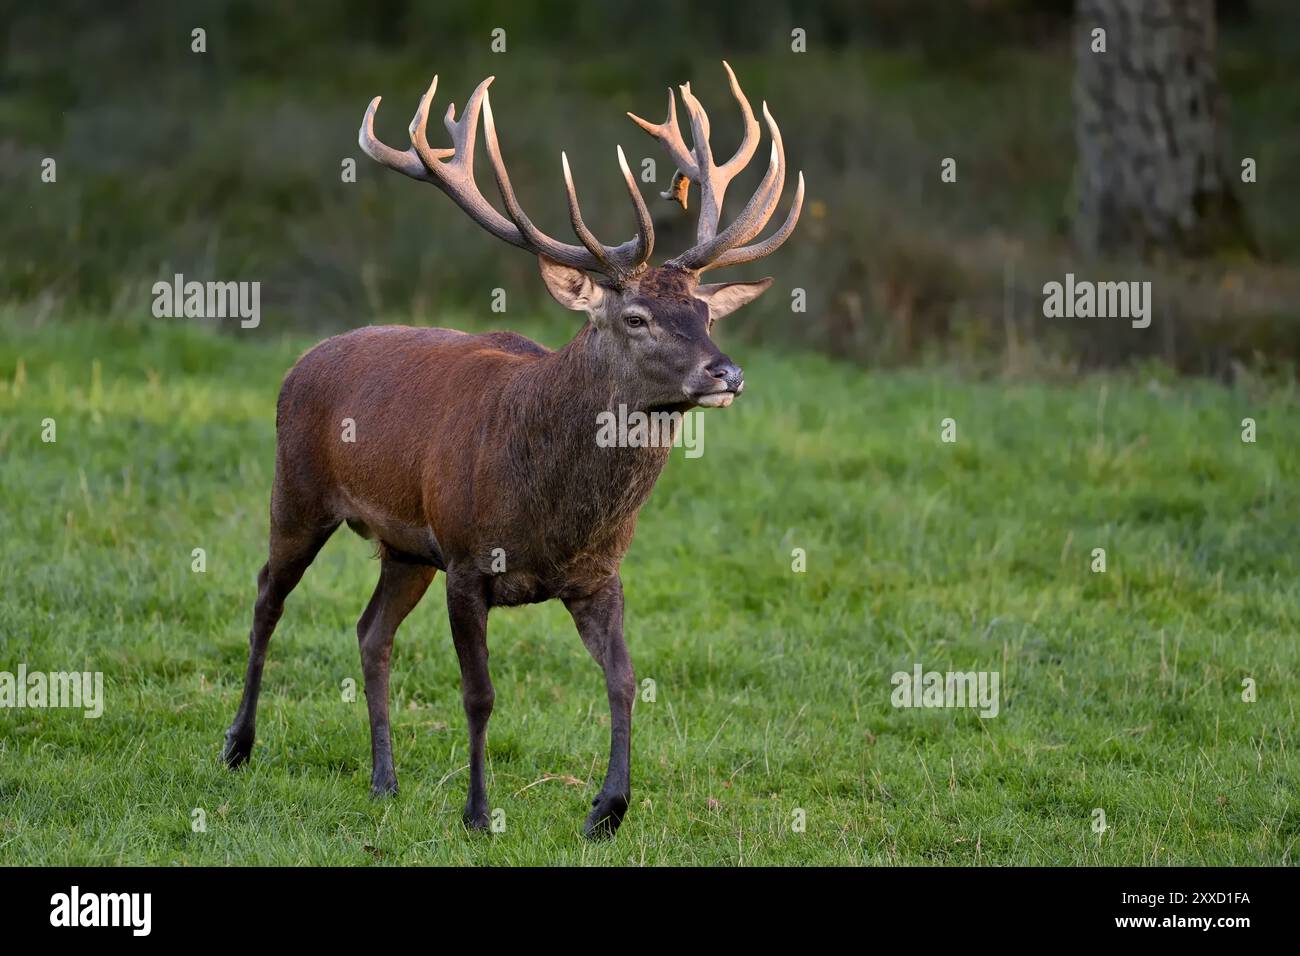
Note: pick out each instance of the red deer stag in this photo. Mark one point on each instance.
(470, 450)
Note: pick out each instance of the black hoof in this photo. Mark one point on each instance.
(607, 812)
(384, 785)
(476, 818)
(237, 748)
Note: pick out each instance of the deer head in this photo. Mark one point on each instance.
(651, 324)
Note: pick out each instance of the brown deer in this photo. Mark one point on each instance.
(476, 454)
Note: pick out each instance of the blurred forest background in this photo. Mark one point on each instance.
(227, 165)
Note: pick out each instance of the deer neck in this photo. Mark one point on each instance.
(569, 480)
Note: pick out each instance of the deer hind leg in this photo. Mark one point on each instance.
(468, 609)
(291, 554)
(401, 585)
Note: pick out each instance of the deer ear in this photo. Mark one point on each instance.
(723, 298)
(570, 287)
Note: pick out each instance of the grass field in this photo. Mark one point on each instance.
(1121, 691)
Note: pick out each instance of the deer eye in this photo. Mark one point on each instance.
(634, 320)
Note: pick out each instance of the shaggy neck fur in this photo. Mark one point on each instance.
(586, 492)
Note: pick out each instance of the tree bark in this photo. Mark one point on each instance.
(1153, 173)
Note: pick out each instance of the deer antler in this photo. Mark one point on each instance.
(452, 171)
(712, 249)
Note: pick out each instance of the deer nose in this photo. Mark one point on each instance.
(728, 372)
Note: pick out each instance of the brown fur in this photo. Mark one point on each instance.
(429, 405)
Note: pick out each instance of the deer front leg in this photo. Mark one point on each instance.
(599, 618)
(468, 610)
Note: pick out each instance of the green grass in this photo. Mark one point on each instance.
(1120, 691)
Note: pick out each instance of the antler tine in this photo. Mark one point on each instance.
(699, 120)
(736, 257)
(756, 213)
(669, 135)
(580, 229)
(713, 249)
(618, 262)
(537, 240)
(645, 238)
(749, 142)
(644, 223)
(463, 133)
(699, 166)
(405, 161)
(423, 162)
(712, 185)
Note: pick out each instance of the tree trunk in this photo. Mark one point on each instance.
(1153, 173)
